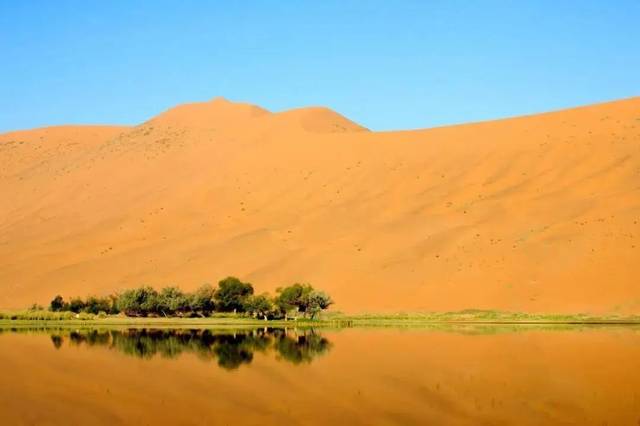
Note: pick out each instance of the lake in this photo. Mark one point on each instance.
(485, 375)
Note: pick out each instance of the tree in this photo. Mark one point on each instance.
(293, 297)
(113, 304)
(202, 300)
(76, 305)
(317, 301)
(232, 294)
(57, 304)
(302, 298)
(260, 305)
(95, 305)
(138, 302)
(171, 300)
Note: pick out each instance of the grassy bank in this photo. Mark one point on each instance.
(334, 319)
(488, 317)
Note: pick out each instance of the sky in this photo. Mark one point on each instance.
(384, 64)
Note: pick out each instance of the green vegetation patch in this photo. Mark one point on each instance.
(231, 297)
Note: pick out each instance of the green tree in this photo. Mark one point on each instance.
(76, 305)
(316, 302)
(260, 306)
(94, 305)
(293, 297)
(201, 301)
(138, 302)
(57, 304)
(113, 304)
(171, 301)
(231, 294)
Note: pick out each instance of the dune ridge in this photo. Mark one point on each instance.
(538, 213)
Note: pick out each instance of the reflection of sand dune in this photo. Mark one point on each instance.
(537, 213)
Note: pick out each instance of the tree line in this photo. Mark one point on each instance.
(231, 295)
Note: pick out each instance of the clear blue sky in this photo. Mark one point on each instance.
(386, 64)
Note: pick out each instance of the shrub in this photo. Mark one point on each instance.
(67, 315)
(85, 316)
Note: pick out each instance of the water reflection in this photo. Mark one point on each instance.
(230, 349)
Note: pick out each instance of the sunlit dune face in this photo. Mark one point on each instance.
(539, 213)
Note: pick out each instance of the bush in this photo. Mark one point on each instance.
(67, 315)
(85, 316)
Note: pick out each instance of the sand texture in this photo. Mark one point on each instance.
(538, 213)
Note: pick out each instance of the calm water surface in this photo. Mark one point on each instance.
(458, 376)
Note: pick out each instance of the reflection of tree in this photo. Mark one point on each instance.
(233, 351)
(90, 337)
(301, 348)
(56, 340)
(229, 349)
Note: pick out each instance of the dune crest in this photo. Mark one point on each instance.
(222, 114)
(317, 120)
(538, 213)
(216, 113)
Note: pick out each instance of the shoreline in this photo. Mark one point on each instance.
(479, 318)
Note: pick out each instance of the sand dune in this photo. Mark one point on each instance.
(538, 213)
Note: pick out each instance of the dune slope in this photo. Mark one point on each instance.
(538, 213)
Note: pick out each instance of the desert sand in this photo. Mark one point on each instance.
(538, 213)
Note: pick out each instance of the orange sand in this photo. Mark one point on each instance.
(539, 213)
